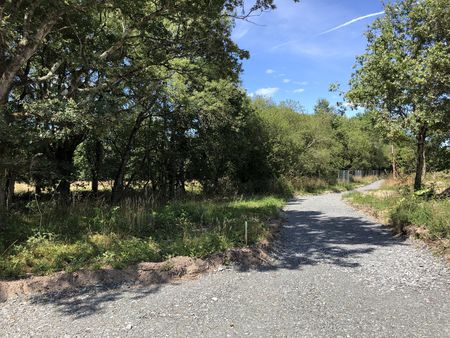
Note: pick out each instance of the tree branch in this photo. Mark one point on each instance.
(51, 71)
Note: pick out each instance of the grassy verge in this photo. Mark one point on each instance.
(45, 239)
(305, 186)
(397, 205)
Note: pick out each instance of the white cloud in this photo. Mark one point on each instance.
(299, 90)
(351, 21)
(269, 91)
(270, 71)
(286, 80)
(301, 83)
(251, 94)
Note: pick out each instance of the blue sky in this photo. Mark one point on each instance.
(299, 49)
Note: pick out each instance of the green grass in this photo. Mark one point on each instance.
(378, 204)
(45, 239)
(397, 204)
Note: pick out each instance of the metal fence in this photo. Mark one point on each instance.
(346, 175)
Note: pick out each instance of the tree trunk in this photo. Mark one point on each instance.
(3, 191)
(118, 186)
(394, 164)
(96, 166)
(420, 161)
(38, 188)
(181, 180)
(64, 160)
(10, 185)
(2, 200)
(94, 183)
(63, 191)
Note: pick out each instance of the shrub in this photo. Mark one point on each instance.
(401, 215)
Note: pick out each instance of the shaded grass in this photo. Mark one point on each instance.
(46, 238)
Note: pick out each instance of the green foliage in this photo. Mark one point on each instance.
(434, 215)
(404, 76)
(295, 144)
(375, 202)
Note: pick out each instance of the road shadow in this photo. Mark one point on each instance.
(311, 238)
(84, 302)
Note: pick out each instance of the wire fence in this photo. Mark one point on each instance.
(347, 175)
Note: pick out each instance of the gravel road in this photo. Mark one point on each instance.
(335, 273)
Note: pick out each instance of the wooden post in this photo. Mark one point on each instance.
(246, 232)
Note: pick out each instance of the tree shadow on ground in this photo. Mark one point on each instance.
(307, 238)
(312, 237)
(87, 301)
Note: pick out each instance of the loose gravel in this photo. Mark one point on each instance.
(334, 273)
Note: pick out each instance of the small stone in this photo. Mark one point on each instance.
(129, 327)
(215, 299)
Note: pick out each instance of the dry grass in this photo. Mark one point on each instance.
(397, 204)
(21, 188)
(77, 186)
(438, 180)
(193, 187)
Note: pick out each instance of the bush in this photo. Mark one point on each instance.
(401, 215)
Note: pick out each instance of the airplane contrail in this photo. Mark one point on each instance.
(350, 22)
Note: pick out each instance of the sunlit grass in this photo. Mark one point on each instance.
(77, 186)
(397, 204)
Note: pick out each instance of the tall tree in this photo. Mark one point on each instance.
(405, 73)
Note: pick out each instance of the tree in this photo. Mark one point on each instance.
(405, 73)
(66, 65)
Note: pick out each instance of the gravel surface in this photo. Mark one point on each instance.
(335, 273)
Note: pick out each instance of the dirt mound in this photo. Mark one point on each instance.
(140, 274)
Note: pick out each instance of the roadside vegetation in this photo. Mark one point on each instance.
(98, 236)
(125, 134)
(306, 186)
(425, 213)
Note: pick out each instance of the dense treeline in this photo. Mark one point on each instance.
(243, 147)
(105, 74)
(146, 94)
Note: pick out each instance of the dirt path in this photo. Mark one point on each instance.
(335, 273)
